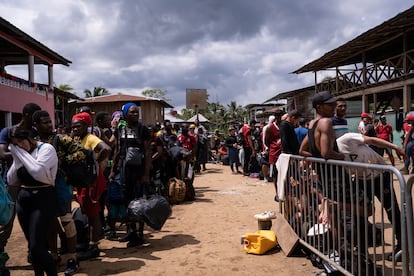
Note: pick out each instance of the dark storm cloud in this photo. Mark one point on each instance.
(239, 50)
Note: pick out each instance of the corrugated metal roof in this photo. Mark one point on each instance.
(377, 44)
(119, 97)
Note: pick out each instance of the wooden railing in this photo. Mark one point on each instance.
(392, 68)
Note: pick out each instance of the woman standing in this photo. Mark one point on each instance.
(34, 168)
(202, 150)
(132, 140)
(233, 150)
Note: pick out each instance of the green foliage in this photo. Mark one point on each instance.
(156, 93)
(186, 114)
(97, 91)
(65, 87)
(220, 116)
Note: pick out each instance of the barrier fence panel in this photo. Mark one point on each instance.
(351, 216)
(409, 203)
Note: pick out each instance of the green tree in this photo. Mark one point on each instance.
(214, 114)
(187, 114)
(156, 93)
(236, 113)
(97, 91)
(65, 87)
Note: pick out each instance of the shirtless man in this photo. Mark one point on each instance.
(320, 141)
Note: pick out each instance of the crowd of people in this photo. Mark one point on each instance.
(134, 160)
(326, 136)
(103, 161)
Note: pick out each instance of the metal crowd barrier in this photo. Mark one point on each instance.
(350, 216)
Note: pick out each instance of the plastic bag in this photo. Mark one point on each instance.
(154, 211)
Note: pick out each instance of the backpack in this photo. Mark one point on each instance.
(130, 147)
(83, 173)
(82, 226)
(240, 137)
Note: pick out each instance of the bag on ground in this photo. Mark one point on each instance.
(176, 190)
(154, 211)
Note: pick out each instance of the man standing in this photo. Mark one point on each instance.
(339, 123)
(248, 147)
(274, 143)
(301, 131)
(6, 159)
(384, 131)
(290, 143)
(68, 152)
(320, 141)
(356, 149)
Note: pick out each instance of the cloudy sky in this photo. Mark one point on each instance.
(239, 50)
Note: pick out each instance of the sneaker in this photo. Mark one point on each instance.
(91, 253)
(111, 235)
(4, 257)
(277, 198)
(72, 266)
(126, 237)
(396, 255)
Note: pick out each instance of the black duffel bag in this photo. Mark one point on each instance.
(153, 210)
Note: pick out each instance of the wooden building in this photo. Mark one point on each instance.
(374, 70)
(152, 109)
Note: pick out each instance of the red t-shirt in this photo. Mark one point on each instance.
(384, 132)
(187, 141)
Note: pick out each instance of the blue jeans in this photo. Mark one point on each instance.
(408, 153)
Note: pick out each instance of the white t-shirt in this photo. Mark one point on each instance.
(352, 145)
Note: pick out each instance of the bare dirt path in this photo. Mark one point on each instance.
(200, 238)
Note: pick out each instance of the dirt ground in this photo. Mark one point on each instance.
(200, 238)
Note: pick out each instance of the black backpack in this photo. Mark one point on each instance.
(240, 137)
(81, 174)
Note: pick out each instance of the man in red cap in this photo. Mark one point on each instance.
(365, 120)
(90, 206)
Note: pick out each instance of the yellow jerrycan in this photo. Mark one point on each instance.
(259, 242)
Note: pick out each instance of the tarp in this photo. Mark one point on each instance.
(201, 119)
(172, 118)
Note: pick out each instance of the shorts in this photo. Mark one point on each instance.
(89, 207)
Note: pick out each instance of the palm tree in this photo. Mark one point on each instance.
(97, 91)
(214, 114)
(236, 112)
(65, 87)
